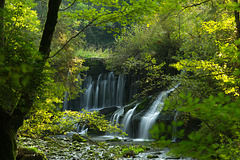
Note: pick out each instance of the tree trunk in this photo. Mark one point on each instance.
(7, 137)
(10, 123)
(237, 22)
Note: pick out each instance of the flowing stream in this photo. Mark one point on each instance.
(149, 118)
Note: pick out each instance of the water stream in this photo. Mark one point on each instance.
(174, 131)
(127, 119)
(149, 118)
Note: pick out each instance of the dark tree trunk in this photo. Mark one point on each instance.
(10, 123)
(45, 45)
(237, 22)
(7, 137)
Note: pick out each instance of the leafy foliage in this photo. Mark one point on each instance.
(18, 53)
(43, 123)
(219, 128)
(134, 148)
(145, 51)
(208, 62)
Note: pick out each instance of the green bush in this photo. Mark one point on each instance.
(44, 122)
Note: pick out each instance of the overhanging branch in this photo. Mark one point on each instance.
(89, 24)
(193, 5)
(196, 4)
(68, 6)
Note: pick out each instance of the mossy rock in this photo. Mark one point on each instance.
(24, 153)
(114, 140)
(152, 156)
(78, 138)
(47, 139)
(144, 104)
(130, 153)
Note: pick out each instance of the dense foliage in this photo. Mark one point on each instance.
(44, 123)
(200, 40)
(195, 43)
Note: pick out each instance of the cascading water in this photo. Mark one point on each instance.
(120, 89)
(115, 119)
(65, 102)
(106, 91)
(127, 119)
(174, 136)
(116, 115)
(151, 115)
(81, 129)
(97, 91)
(88, 93)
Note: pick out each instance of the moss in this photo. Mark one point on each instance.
(144, 104)
(114, 140)
(30, 153)
(152, 156)
(78, 138)
(129, 153)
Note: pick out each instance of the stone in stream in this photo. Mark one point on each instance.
(78, 138)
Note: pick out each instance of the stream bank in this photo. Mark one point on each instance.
(64, 148)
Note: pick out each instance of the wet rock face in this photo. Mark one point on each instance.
(96, 66)
(108, 110)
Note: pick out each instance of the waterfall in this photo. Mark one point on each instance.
(151, 115)
(174, 130)
(88, 93)
(65, 102)
(127, 119)
(120, 89)
(81, 129)
(116, 115)
(106, 91)
(97, 92)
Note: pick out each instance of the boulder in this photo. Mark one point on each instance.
(78, 138)
(24, 153)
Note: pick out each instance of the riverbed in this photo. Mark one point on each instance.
(96, 148)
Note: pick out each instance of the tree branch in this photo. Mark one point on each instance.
(193, 5)
(89, 24)
(196, 4)
(68, 6)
